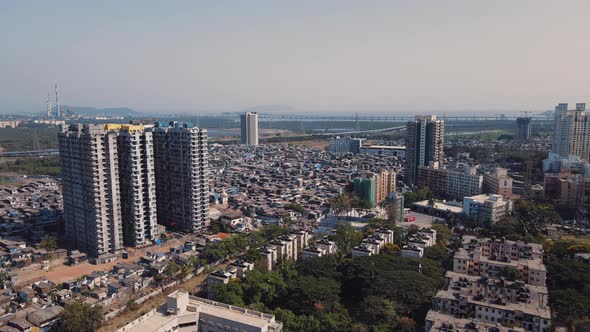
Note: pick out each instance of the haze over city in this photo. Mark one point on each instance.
(330, 56)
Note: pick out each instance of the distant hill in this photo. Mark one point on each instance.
(111, 111)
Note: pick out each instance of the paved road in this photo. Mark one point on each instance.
(422, 220)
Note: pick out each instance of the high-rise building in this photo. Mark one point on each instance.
(572, 131)
(182, 187)
(91, 192)
(138, 184)
(524, 128)
(385, 185)
(425, 138)
(249, 122)
(365, 188)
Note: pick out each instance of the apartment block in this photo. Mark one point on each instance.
(572, 131)
(434, 177)
(478, 292)
(383, 150)
(463, 182)
(491, 301)
(498, 182)
(249, 128)
(488, 257)
(373, 244)
(385, 185)
(183, 312)
(181, 168)
(91, 189)
(320, 248)
(286, 247)
(425, 137)
(346, 145)
(487, 209)
(565, 189)
(417, 243)
(137, 183)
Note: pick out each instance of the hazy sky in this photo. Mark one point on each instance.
(340, 55)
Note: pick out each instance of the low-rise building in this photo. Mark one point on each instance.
(373, 244)
(479, 289)
(463, 182)
(219, 277)
(498, 182)
(346, 145)
(489, 257)
(412, 251)
(184, 312)
(383, 150)
(487, 209)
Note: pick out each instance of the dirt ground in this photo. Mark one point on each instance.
(319, 144)
(59, 273)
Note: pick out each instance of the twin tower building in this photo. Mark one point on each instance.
(120, 181)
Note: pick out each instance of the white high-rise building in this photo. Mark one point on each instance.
(249, 124)
(572, 131)
(108, 187)
(182, 186)
(425, 138)
(91, 192)
(138, 184)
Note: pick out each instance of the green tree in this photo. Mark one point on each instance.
(390, 249)
(437, 253)
(510, 273)
(307, 293)
(295, 207)
(79, 316)
(410, 198)
(230, 293)
(443, 233)
(49, 243)
(377, 312)
(264, 287)
(346, 237)
(342, 202)
(171, 269)
(424, 193)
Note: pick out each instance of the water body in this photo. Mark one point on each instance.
(215, 132)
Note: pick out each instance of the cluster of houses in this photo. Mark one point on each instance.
(262, 184)
(418, 242)
(373, 244)
(30, 208)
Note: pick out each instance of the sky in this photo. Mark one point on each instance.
(311, 55)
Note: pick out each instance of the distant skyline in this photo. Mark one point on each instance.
(334, 56)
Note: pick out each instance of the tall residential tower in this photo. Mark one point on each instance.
(425, 137)
(91, 193)
(249, 123)
(572, 132)
(182, 186)
(138, 184)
